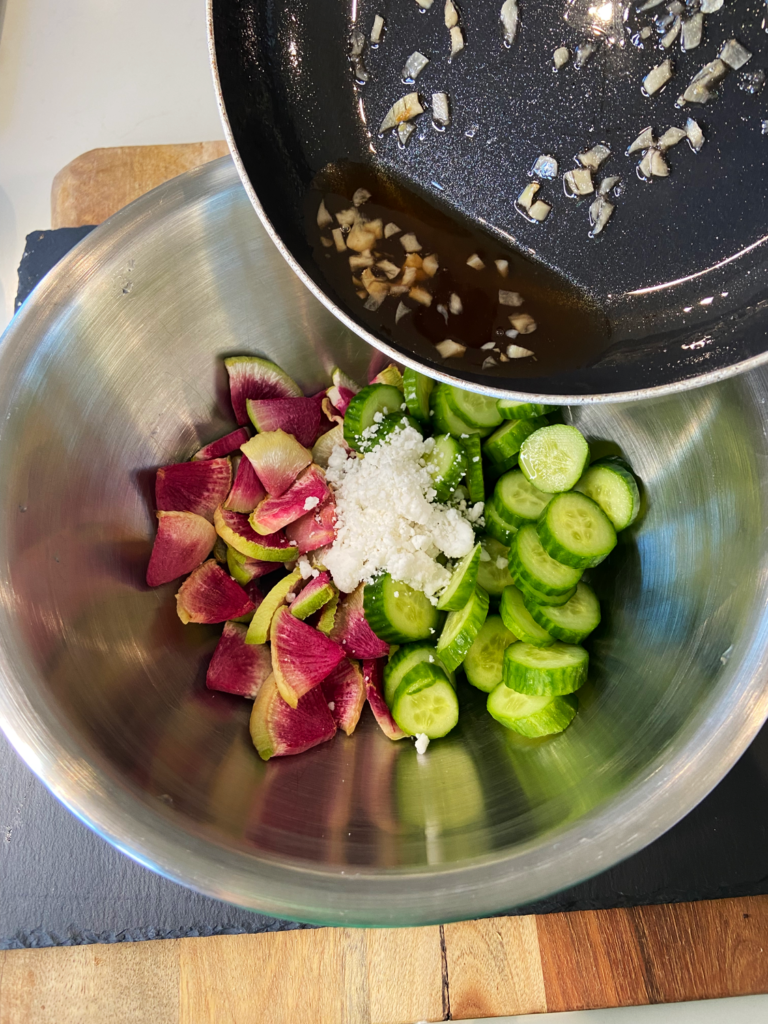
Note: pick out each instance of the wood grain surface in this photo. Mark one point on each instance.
(501, 966)
(97, 184)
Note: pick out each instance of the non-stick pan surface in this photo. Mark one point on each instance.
(680, 272)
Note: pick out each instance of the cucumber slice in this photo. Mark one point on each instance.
(519, 620)
(462, 583)
(504, 444)
(447, 458)
(417, 390)
(425, 702)
(397, 613)
(570, 622)
(393, 421)
(495, 525)
(611, 484)
(511, 410)
(461, 629)
(536, 597)
(382, 398)
(403, 660)
(532, 716)
(551, 671)
(553, 458)
(474, 458)
(477, 410)
(485, 658)
(493, 571)
(518, 501)
(529, 561)
(445, 420)
(575, 531)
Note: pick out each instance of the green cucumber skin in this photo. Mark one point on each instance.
(540, 682)
(454, 650)
(457, 407)
(510, 410)
(556, 550)
(540, 475)
(622, 469)
(515, 621)
(542, 615)
(529, 592)
(377, 618)
(417, 389)
(445, 421)
(392, 422)
(357, 410)
(446, 483)
(553, 719)
(505, 443)
(455, 601)
(420, 650)
(489, 576)
(421, 678)
(476, 668)
(519, 569)
(475, 481)
(506, 512)
(495, 525)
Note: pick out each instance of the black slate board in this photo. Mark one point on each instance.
(63, 885)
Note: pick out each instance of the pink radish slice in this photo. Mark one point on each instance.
(277, 458)
(252, 377)
(298, 416)
(210, 595)
(345, 690)
(301, 656)
(237, 667)
(234, 528)
(247, 490)
(306, 493)
(315, 529)
(351, 629)
(224, 446)
(198, 487)
(278, 729)
(184, 540)
(373, 674)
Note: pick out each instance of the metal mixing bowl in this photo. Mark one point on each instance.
(112, 368)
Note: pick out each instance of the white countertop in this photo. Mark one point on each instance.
(80, 74)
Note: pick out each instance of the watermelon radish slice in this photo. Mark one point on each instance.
(278, 458)
(247, 490)
(314, 596)
(327, 616)
(183, 542)
(307, 493)
(278, 729)
(224, 446)
(351, 629)
(210, 595)
(220, 550)
(331, 412)
(325, 444)
(233, 527)
(389, 375)
(198, 487)
(298, 416)
(340, 397)
(339, 379)
(345, 690)
(258, 631)
(245, 570)
(373, 674)
(252, 377)
(301, 657)
(314, 530)
(236, 667)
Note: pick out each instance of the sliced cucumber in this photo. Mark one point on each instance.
(519, 620)
(485, 658)
(529, 561)
(417, 389)
(392, 422)
(504, 444)
(445, 420)
(474, 457)
(361, 411)
(570, 622)
(461, 628)
(532, 716)
(518, 501)
(495, 525)
(477, 410)
(449, 463)
(553, 458)
(462, 583)
(493, 572)
(403, 660)
(611, 484)
(397, 613)
(575, 531)
(532, 594)
(551, 671)
(425, 702)
(510, 410)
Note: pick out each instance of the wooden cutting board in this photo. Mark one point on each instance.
(501, 966)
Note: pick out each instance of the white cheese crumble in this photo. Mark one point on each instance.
(422, 742)
(310, 503)
(331, 705)
(387, 519)
(305, 568)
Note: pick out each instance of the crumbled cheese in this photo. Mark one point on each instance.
(422, 742)
(289, 598)
(387, 519)
(484, 556)
(331, 705)
(310, 503)
(501, 561)
(305, 568)
(476, 511)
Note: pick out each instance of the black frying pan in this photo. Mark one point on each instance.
(673, 293)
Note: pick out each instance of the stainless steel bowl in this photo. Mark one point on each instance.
(112, 368)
